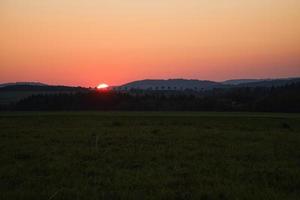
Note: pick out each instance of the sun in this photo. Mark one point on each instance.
(102, 86)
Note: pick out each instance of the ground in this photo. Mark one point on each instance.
(155, 155)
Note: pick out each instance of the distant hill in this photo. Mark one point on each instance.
(199, 85)
(242, 81)
(171, 84)
(260, 82)
(23, 83)
(20, 87)
(269, 82)
(13, 92)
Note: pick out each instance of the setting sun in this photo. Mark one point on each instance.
(102, 86)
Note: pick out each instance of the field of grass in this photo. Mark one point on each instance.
(102, 155)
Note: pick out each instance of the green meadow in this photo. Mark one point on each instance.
(154, 155)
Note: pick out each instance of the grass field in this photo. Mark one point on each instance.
(90, 155)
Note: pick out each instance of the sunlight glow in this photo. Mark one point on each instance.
(102, 86)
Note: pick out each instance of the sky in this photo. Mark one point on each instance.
(87, 42)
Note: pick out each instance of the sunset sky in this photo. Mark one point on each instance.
(86, 42)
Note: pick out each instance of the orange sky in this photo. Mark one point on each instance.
(81, 42)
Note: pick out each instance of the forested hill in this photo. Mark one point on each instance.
(269, 83)
(12, 93)
(198, 85)
(23, 83)
(40, 88)
(171, 84)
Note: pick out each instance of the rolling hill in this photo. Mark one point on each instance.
(13, 92)
(171, 84)
(22, 83)
(200, 85)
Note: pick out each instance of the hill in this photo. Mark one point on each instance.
(171, 84)
(242, 81)
(270, 82)
(20, 87)
(13, 92)
(202, 85)
(22, 83)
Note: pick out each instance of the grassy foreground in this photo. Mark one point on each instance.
(149, 156)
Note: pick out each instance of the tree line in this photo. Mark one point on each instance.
(254, 99)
